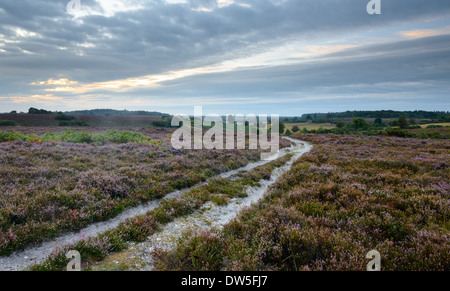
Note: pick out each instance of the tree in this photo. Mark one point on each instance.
(38, 111)
(288, 132)
(340, 124)
(295, 128)
(378, 122)
(402, 122)
(393, 123)
(282, 127)
(360, 123)
(412, 121)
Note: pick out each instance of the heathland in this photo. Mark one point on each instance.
(367, 184)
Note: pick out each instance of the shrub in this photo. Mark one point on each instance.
(73, 123)
(7, 123)
(161, 123)
(38, 111)
(360, 123)
(348, 196)
(403, 123)
(395, 132)
(63, 117)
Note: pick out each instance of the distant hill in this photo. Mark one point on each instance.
(112, 112)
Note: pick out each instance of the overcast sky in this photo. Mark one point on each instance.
(285, 57)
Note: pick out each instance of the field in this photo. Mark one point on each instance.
(435, 124)
(347, 196)
(309, 126)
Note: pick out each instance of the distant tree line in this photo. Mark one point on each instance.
(99, 112)
(112, 112)
(39, 111)
(397, 127)
(418, 114)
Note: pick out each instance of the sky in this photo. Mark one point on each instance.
(287, 57)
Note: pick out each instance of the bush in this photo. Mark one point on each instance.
(161, 123)
(7, 123)
(73, 123)
(402, 122)
(395, 132)
(63, 117)
(164, 122)
(38, 111)
(360, 123)
(9, 136)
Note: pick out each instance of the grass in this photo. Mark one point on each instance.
(309, 126)
(348, 196)
(435, 124)
(75, 136)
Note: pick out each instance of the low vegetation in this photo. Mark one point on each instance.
(7, 123)
(348, 196)
(67, 180)
(137, 229)
(369, 183)
(399, 128)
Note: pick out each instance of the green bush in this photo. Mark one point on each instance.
(8, 136)
(161, 123)
(7, 123)
(63, 117)
(395, 132)
(73, 123)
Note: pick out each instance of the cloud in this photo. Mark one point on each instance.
(419, 33)
(157, 47)
(59, 82)
(45, 99)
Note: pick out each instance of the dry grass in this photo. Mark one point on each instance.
(441, 124)
(309, 126)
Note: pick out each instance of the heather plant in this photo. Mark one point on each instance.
(64, 181)
(348, 196)
(138, 229)
(75, 136)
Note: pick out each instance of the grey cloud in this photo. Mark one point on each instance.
(172, 36)
(414, 65)
(163, 37)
